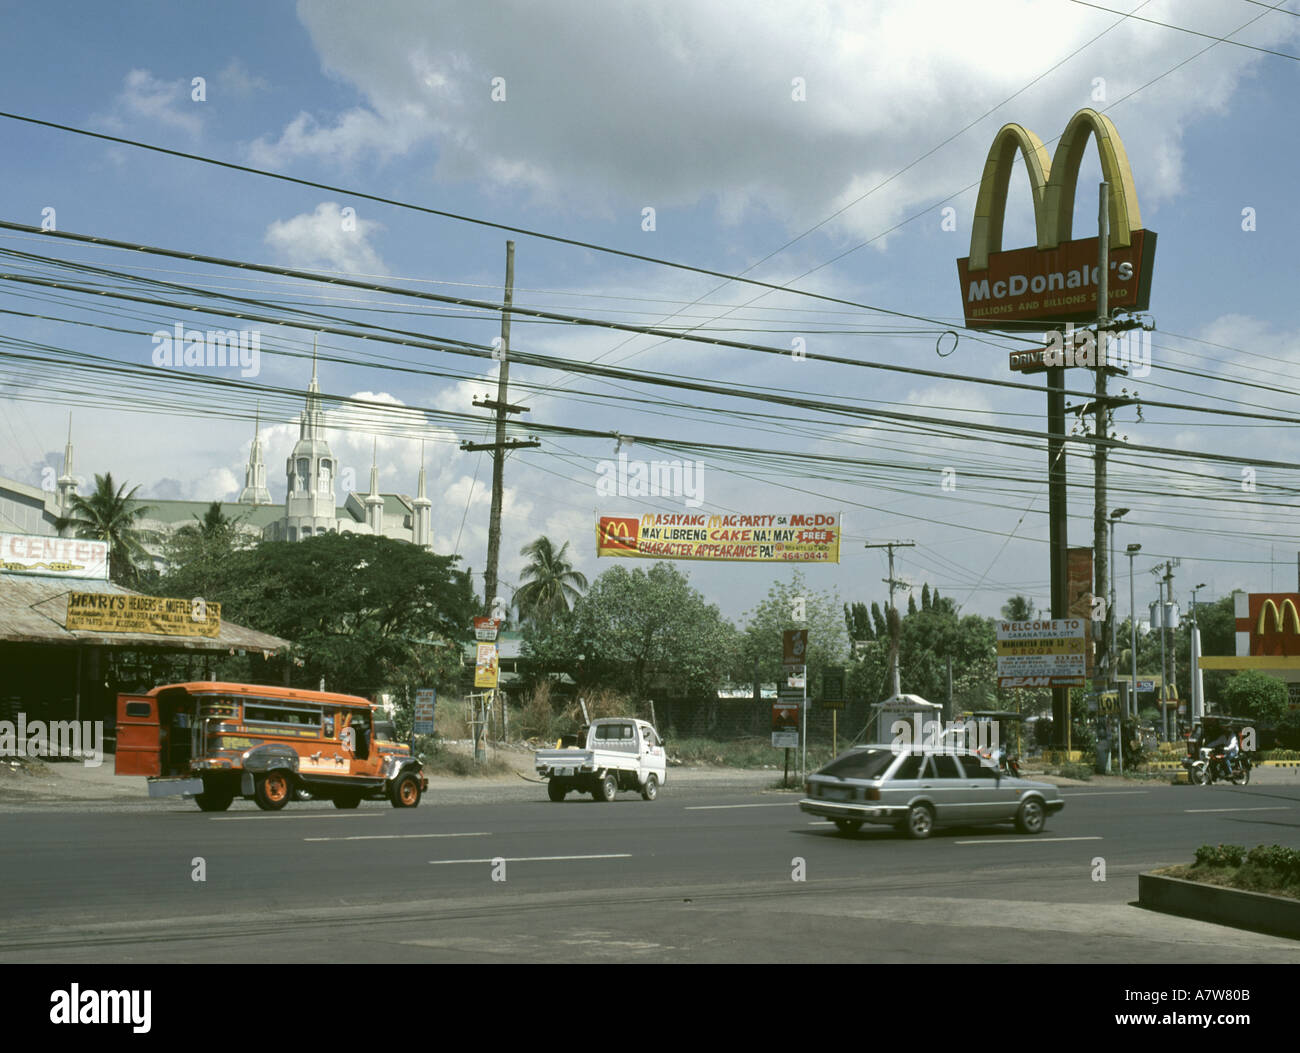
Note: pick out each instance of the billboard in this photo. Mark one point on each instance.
(157, 615)
(793, 537)
(58, 557)
(1043, 653)
(1054, 281)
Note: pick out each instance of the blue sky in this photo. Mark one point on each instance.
(686, 109)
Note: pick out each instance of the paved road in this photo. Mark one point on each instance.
(699, 875)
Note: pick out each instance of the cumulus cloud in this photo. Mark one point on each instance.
(327, 239)
(238, 82)
(145, 97)
(670, 106)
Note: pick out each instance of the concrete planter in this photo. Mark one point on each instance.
(1258, 911)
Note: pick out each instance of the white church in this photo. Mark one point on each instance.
(310, 505)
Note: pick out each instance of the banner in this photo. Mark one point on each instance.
(801, 538)
(109, 613)
(486, 666)
(56, 557)
(1047, 653)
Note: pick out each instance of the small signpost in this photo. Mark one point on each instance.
(833, 699)
(425, 700)
(794, 657)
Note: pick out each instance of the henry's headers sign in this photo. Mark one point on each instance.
(156, 615)
(799, 538)
(1054, 282)
(59, 557)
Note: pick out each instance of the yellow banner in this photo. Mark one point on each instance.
(485, 668)
(106, 613)
(793, 538)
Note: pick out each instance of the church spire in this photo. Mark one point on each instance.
(255, 491)
(67, 482)
(374, 502)
(423, 525)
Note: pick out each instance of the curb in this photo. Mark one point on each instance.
(1257, 911)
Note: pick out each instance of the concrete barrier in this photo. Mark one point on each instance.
(1257, 911)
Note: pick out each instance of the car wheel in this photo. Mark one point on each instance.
(347, 800)
(405, 793)
(651, 788)
(556, 790)
(608, 788)
(1032, 817)
(848, 826)
(920, 822)
(272, 791)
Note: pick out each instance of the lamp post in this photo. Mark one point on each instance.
(1112, 673)
(1198, 687)
(1132, 551)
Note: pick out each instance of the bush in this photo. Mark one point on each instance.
(1070, 770)
(535, 719)
(1220, 856)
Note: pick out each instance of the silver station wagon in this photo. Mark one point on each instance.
(916, 791)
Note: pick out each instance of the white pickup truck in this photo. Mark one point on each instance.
(622, 754)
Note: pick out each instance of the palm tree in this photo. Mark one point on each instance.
(550, 581)
(1018, 609)
(110, 514)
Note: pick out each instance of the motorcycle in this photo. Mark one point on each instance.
(1198, 770)
(1218, 769)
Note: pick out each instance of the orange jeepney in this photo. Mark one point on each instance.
(216, 741)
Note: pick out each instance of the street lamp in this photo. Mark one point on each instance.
(1198, 686)
(1132, 551)
(1112, 673)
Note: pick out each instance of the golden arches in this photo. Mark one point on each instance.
(1053, 184)
(1279, 617)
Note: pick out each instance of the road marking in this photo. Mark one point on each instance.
(1107, 793)
(714, 807)
(397, 837)
(278, 818)
(527, 859)
(1264, 808)
(1028, 839)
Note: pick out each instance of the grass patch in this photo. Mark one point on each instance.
(744, 753)
(441, 760)
(1271, 869)
(1070, 770)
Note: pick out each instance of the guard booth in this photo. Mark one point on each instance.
(911, 708)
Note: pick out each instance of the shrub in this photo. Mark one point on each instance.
(1220, 855)
(535, 719)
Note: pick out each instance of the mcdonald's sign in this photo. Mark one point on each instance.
(1054, 282)
(616, 535)
(1273, 622)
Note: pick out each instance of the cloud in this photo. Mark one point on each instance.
(146, 98)
(673, 107)
(236, 81)
(327, 240)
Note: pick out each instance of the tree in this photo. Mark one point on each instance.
(197, 553)
(550, 581)
(857, 620)
(1257, 696)
(878, 620)
(925, 597)
(793, 605)
(911, 603)
(1018, 609)
(111, 514)
(634, 630)
(358, 608)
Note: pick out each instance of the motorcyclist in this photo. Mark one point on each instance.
(1219, 745)
(1230, 753)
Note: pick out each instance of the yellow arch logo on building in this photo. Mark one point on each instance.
(1279, 617)
(1053, 182)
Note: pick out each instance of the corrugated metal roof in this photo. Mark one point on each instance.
(33, 609)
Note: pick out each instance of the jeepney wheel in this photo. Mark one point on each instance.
(214, 798)
(848, 826)
(556, 790)
(347, 800)
(406, 792)
(651, 788)
(607, 788)
(272, 791)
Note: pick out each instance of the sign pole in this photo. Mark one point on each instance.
(803, 711)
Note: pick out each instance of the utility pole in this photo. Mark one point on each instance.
(1102, 429)
(1173, 642)
(500, 446)
(893, 582)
